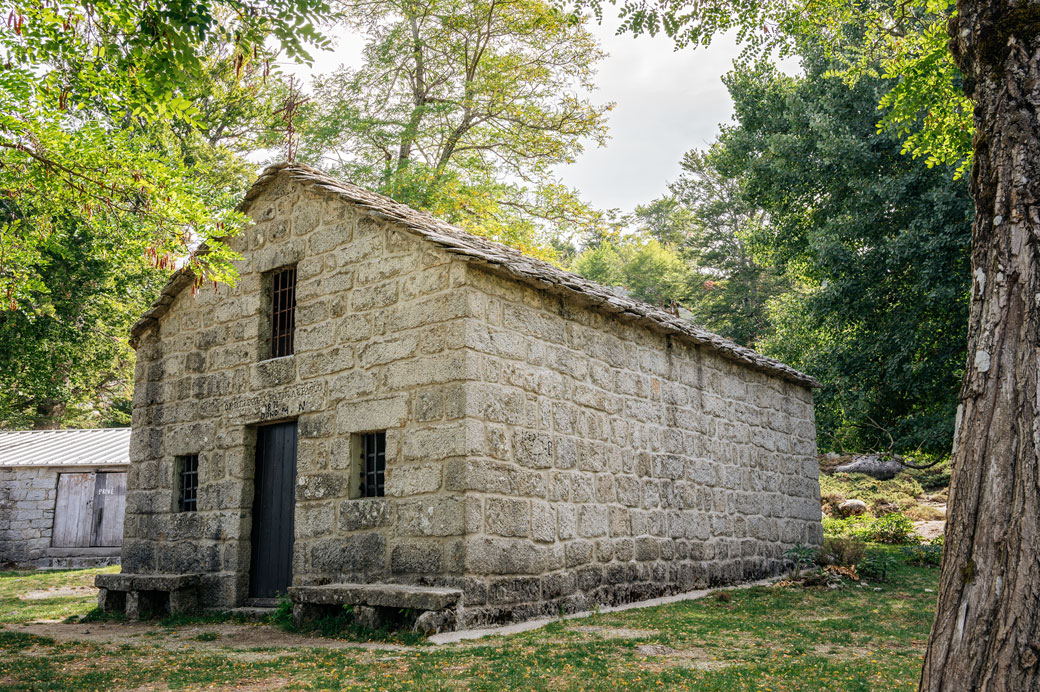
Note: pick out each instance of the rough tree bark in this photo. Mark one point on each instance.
(986, 635)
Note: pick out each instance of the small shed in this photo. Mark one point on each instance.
(62, 496)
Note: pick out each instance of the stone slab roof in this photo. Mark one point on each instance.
(499, 259)
(99, 447)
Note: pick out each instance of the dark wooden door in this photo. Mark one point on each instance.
(270, 572)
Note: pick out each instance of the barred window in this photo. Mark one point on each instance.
(188, 474)
(283, 311)
(373, 463)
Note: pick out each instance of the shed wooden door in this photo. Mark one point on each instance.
(270, 572)
(73, 510)
(109, 508)
(88, 512)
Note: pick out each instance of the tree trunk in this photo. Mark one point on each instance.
(986, 635)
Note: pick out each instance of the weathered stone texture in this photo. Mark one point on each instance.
(541, 455)
(379, 346)
(649, 466)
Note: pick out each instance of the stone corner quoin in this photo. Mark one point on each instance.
(544, 452)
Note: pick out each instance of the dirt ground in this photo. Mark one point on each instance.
(201, 636)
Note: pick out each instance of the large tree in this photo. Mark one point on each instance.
(464, 107)
(80, 264)
(986, 634)
(80, 81)
(875, 242)
(710, 221)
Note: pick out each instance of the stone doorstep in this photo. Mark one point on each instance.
(146, 582)
(378, 596)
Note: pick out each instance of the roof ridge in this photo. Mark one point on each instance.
(497, 258)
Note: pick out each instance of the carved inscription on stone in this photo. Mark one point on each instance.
(282, 403)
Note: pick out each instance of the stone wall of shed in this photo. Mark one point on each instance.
(27, 498)
(609, 463)
(379, 346)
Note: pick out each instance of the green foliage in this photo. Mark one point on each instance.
(904, 42)
(65, 360)
(709, 222)
(877, 565)
(924, 555)
(644, 267)
(96, 100)
(845, 552)
(891, 529)
(463, 108)
(901, 492)
(800, 556)
(877, 245)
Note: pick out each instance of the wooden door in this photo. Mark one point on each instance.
(109, 507)
(270, 572)
(73, 510)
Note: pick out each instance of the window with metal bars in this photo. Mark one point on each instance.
(283, 311)
(188, 472)
(373, 463)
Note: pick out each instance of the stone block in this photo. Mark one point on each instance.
(593, 521)
(415, 479)
(364, 552)
(533, 449)
(364, 513)
(486, 555)
(432, 516)
(507, 517)
(416, 558)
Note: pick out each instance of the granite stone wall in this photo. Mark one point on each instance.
(608, 463)
(26, 514)
(540, 455)
(379, 345)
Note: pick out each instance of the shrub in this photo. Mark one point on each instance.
(802, 556)
(845, 552)
(924, 555)
(876, 565)
(893, 529)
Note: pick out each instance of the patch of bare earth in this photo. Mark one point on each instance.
(660, 657)
(231, 636)
(267, 684)
(57, 592)
(616, 632)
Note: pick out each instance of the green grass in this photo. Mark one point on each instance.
(780, 639)
(23, 595)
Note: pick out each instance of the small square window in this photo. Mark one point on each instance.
(283, 312)
(188, 483)
(373, 463)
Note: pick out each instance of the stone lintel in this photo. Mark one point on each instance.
(378, 595)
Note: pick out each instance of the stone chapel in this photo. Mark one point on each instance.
(390, 413)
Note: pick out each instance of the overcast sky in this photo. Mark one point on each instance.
(667, 102)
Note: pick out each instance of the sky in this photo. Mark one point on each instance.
(667, 102)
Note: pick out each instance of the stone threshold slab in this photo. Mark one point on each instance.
(377, 595)
(516, 628)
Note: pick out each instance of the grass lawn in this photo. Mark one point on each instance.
(778, 639)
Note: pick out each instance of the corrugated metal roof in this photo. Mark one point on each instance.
(103, 446)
